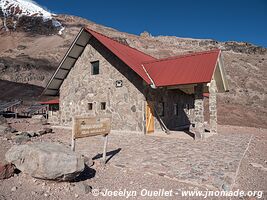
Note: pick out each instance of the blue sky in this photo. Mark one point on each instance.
(222, 20)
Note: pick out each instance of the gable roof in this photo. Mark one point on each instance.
(130, 56)
(185, 69)
(180, 70)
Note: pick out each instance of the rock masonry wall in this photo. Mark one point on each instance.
(125, 104)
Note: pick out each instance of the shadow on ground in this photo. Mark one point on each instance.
(111, 154)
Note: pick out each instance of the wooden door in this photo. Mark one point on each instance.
(149, 117)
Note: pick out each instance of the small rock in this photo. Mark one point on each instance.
(46, 195)
(48, 130)
(82, 188)
(41, 132)
(225, 187)
(25, 134)
(6, 170)
(3, 120)
(32, 134)
(20, 139)
(13, 189)
(76, 195)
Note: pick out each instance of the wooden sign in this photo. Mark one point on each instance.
(91, 126)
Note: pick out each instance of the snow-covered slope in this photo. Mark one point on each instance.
(19, 8)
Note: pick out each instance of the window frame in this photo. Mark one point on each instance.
(103, 105)
(93, 67)
(90, 106)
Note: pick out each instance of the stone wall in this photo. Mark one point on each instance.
(125, 104)
(185, 111)
(199, 112)
(213, 107)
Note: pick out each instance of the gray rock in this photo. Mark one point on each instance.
(225, 187)
(3, 129)
(48, 130)
(13, 189)
(3, 120)
(10, 129)
(46, 161)
(25, 134)
(82, 188)
(20, 139)
(32, 134)
(6, 170)
(41, 132)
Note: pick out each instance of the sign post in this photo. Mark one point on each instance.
(89, 127)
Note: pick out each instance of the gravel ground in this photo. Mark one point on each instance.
(142, 163)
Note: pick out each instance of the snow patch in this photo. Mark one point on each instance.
(19, 8)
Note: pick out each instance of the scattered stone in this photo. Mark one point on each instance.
(3, 129)
(82, 188)
(48, 130)
(38, 119)
(6, 170)
(25, 134)
(76, 195)
(13, 189)
(32, 134)
(3, 120)
(257, 165)
(10, 129)
(41, 132)
(226, 187)
(46, 161)
(20, 139)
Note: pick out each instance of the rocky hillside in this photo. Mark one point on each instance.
(31, 56)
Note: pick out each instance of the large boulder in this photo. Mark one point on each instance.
(46, 161)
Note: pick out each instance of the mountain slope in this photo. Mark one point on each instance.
(26, 9)
(32, 57)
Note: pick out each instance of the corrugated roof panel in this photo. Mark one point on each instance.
(68, 63)
(55, 84)
(62, 73)
(186, 69)
(83, 39)
(76, 51)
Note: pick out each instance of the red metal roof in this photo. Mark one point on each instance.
(185, 69)
(130, 56)
(54, 101)
(179, 70)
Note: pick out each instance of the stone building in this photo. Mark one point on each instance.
(100, 76)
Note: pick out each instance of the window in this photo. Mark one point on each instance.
(95, 67)
(103, 106)
(161, 109)
(175, 109)
(90, 106)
